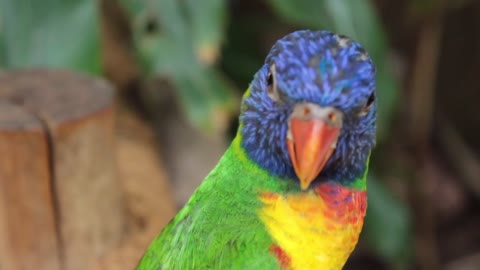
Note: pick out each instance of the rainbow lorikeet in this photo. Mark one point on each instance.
(290, 191)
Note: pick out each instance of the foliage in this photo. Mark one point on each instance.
(180, 40)
(387, 225)
(52, 33)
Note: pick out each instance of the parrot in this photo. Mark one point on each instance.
(290, 191)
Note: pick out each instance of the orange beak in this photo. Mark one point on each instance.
(312, 137)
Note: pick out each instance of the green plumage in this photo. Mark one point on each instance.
(228, 196)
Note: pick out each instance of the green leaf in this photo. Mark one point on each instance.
(208, 19)
(242, 56)
(2, 41)
(185, 32)
(358, 20)
(308, 13)
(179, 40)
(208, 98)
(160, 35)
(50, 33)
(388, 224)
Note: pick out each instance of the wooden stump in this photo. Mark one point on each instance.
(60, 203)
(149, 197)
(27, 219)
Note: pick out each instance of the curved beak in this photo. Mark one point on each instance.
(312, 137)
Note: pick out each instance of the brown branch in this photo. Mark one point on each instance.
(469, 262)
(419, 129)
(460, 156)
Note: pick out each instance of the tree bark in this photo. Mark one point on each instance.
(61, 203)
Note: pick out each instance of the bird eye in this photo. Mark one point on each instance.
(272, 84)
(370, 100)
(269, 79)
(368, 104)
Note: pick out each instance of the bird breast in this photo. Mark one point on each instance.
(317, 229)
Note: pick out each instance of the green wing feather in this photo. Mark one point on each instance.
(219, 228)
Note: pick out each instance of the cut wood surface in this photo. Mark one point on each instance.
(61, 202)
(28, 238)
(150, 202)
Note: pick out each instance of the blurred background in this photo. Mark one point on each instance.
(179, 69)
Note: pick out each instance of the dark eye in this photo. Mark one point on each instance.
(370, 100)
(269, 80)
(368, 104)
(272, 84)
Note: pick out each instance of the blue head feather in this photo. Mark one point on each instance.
(318, 67)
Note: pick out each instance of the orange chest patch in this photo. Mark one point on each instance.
(316, 229)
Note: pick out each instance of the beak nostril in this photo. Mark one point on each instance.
(332, 116)
(306, 111)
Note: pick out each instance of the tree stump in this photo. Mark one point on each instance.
(149, 197)
(60, 202)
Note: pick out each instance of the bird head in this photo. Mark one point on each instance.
(309, 114)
